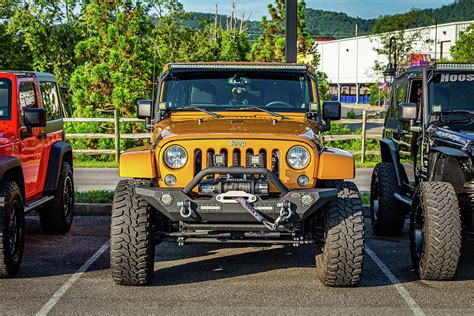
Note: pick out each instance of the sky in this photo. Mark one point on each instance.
(361, 8)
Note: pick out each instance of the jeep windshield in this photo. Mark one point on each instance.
(451, 93)
(227, 91)
(5, 98)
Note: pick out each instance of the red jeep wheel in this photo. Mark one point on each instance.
(12, 229)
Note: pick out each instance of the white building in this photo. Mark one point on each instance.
(349, 62)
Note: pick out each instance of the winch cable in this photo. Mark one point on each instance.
(285, 214)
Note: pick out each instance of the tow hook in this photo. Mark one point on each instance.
(285, 213)
(186, 211)
(285, 210)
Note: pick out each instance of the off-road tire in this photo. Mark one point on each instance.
(54, 218)
(441, 220)
(11, 201)
(391, 213)
(132, 251)
(340, 258)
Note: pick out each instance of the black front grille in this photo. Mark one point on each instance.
(236, 158)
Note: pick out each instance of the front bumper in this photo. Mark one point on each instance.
(216, 209)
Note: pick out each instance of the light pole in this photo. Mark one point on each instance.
(391, 71)
(291, 30)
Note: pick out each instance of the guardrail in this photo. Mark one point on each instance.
(117, 135)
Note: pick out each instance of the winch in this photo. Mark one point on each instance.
(248, 184)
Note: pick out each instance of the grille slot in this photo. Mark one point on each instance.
(225, 154)
(210, 161)
(197, 161)
(276, 162)
(236, 158)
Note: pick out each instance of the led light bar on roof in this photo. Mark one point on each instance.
(239, 66)
(454, 66)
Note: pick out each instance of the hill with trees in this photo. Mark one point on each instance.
(337, 25)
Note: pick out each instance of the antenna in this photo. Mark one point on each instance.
(436, 38)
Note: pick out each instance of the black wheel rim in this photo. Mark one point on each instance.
(68, 197)
(15, 230)
(418, 232)
(374, 200)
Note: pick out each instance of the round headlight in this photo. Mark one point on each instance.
(175, 157)
(298, 157)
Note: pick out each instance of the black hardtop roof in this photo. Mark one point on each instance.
(40, 76)
(438, 67)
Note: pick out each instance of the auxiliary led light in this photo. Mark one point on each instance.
(170, 180)
(303, 181)
(167, 199)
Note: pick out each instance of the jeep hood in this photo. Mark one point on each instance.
(237, 127)
(454, 137)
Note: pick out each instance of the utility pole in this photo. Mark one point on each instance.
(357, 30)
(291, 30)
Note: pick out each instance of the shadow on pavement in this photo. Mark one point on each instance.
(63, 255)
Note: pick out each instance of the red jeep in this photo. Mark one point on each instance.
(35, 162)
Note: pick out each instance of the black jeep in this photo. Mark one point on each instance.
(431, 120)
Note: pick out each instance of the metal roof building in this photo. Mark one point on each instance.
(349, 62)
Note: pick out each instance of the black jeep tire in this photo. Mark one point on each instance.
(12, 229)
(340, 258)
(132, 252)
(387, 213)
(435, 232)
(56, 216)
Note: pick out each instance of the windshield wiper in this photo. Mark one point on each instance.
(195, 108)
(258, 109)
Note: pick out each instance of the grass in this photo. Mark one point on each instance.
(365, 197)
(95, 164)
(367, 164)
(95, 196)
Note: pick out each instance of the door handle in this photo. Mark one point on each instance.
(42, 136)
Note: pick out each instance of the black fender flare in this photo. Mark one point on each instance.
(390, 151)
(453, 152)
(12, 166)
(59, 152)
(7, 163)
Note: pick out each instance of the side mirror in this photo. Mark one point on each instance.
(331, 111)
(145, 109)
(407, 111)
(35, 117)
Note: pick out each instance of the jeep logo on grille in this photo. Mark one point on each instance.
(237, 143)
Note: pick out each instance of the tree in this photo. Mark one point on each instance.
(233, 41)
(406, 43)
(44, 34)
(463, 51)
(115, 65)
(271, 46)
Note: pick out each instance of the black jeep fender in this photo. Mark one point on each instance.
(446, 165)
(453, 152)
(390, 151)
(10, 168)
(60, 151)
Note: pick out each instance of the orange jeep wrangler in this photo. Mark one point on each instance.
(237, 157)
(35, 162)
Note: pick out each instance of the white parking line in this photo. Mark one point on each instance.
(66, 286)
(393, 279)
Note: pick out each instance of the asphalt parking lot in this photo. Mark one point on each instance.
(70, 275)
